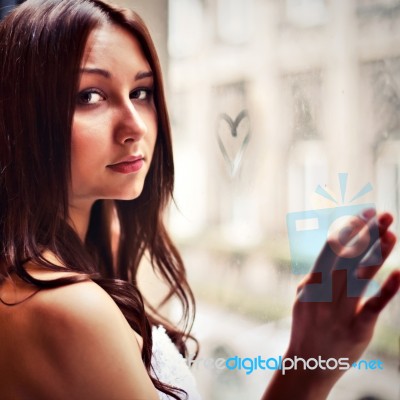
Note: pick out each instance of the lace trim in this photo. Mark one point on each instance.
(170, 367)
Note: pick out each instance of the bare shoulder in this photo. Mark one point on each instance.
(82, 313)
(81, 305)
(86, 345)
(78, 303)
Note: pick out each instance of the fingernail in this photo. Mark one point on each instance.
(369, 213)
(389, 238)
(385, 219)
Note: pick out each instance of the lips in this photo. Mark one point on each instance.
(127, 165)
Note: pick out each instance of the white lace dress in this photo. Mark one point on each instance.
(170, 367)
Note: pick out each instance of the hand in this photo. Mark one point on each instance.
(344, 326)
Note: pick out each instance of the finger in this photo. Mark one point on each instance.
(365, 227)
(340, 236)
(347, 283)
(356, 284)
(352, 246)
(319, 285)
(385, 245)
(371, 309)
(375, 254)
(307, 280)
(385, 220)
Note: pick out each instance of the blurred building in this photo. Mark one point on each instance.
(318, 82)
(270, 99)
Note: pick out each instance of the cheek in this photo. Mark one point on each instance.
(87, 141)
(87, 149)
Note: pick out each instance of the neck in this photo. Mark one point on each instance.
(79, 218)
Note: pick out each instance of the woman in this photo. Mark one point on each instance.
(86, 162)
(83, 118)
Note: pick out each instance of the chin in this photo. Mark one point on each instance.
(127, 198)
(128, 195)
(121, 192)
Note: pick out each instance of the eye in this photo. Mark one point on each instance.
(141, 94)
(89, 97)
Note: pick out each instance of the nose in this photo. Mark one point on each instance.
(130, 126)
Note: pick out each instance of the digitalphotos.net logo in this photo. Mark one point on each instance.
(248, 365)
(308, 232)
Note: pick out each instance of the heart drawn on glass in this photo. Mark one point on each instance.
(229, 133)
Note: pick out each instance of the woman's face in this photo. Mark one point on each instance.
(115, 121)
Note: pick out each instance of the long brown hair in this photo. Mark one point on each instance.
(41, 46)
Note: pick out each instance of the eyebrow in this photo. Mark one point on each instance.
(143, 75)
(98, 71)
(107, 74)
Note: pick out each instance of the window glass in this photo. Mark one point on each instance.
(318, 84)
(234, 20)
